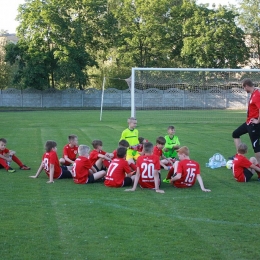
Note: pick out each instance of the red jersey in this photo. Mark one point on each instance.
(4, 151)
(253, 106)
(240, 162)
(157, 151)
(93, 156)
(147, 164)
(115, 154)
(51, 158)
(71, 152)
(81, 168)
(189, 170)
(116, 172)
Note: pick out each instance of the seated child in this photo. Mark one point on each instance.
(158, 150)
(70, 151)
(243, 169)
(81, 169)
(148, 166)
(186, 171)
(7, 156)
(50, 164)
(117, 170)
(172, 143)
(138, 149)
(121, 143)
(99, 158)
(124, 143)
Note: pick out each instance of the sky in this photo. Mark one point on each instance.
(8, 12)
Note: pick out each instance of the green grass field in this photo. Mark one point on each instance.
(68, 221)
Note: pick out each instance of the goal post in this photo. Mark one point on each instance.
(164, 89)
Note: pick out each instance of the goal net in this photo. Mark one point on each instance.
(191, 95)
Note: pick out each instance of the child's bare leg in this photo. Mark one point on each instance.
(62, 160)
(99, 163)
(98, 175)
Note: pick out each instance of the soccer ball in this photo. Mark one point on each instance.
(229, 164)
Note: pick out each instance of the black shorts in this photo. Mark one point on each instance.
(248, 174)
(66, 174)
(91, 179)
(102, 168)
(127, 182)
(253, 131)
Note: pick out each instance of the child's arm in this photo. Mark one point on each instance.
(110, 155)
(162, 163)
(201, 184)
(11, 152)
(38, 172)
(66, 158)
(51, 174)
(103, 156)
(137, 176)
(256, 168)
(156, 182)
(6, 157)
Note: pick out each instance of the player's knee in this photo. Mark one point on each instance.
(235, 134)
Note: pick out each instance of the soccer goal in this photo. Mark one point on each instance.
(181, 92)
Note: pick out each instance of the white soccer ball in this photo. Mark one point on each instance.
(229, 164)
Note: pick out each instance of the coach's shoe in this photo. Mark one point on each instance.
(10, 169)
(166, 181)
(24, 167)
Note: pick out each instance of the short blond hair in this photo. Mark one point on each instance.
(242, 148)
(184, 150)
(83, 150)
(130, 119)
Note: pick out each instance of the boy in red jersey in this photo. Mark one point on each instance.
(121, 143)
(7, 156)
(148, 166)
(124, 143)
(186, 171)
(70, 151)
(99, 158)
(50, 163)
(117, 170)
(158, 150)
(82, 168)
(138, 149)
(243, 169)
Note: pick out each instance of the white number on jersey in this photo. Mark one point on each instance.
(190, 175)
(147, 170)
(111, 168)
(46, 164)
(73, 171)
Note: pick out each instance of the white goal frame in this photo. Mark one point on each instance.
(134, 69)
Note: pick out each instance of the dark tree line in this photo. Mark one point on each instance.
(75, 43)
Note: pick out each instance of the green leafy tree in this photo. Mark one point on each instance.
(4, 68)
(56, 37)
(249, 20)
(211, 38)
(143, 32)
